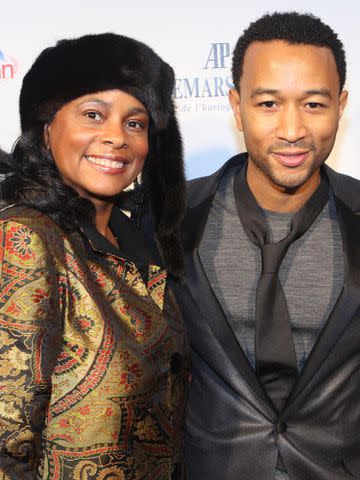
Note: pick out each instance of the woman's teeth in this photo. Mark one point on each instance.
(104, 162)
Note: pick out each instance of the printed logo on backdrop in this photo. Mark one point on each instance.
(207, 92)
(8, 67)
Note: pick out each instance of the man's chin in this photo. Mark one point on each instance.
(291, 182)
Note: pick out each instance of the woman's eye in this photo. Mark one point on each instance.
(135, 124)
(93, 115)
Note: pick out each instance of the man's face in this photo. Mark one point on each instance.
(289, 109)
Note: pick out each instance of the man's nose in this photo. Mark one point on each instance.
(291, 125)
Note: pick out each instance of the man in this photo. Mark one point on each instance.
(275, 380)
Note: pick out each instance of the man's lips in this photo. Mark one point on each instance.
(107, 163)
(291, 159)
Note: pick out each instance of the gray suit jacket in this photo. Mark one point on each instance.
(233, 433)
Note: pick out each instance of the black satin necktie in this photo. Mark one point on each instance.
(275, 356)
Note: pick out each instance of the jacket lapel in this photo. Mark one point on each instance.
(201, 292)
(348, 302)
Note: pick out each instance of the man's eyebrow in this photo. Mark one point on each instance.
(324, 92)
(262, 91)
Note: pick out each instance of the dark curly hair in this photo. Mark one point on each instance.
(293, 28)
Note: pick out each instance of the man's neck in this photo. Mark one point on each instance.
(278, 199)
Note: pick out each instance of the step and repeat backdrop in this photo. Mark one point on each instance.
(197, 39)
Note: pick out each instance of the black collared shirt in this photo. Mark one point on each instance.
(132, 242)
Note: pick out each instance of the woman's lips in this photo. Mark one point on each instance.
(291, 159)
(107, 165)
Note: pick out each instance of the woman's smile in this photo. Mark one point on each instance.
(107, 164)
(99, 143)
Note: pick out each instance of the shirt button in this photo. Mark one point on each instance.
(280, 426)
(175, 362)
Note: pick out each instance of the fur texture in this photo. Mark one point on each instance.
(92, 63)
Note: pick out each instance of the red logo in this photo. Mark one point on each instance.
(8, 67)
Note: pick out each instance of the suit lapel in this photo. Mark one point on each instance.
(212, 313)
(201, 291)
(348, 302)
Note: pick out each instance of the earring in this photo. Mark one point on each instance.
(138, 201)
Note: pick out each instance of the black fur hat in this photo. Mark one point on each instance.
(94, 63)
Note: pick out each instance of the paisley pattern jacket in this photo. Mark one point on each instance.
(94, 362)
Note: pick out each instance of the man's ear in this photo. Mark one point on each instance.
(342, 102)
(234, 99)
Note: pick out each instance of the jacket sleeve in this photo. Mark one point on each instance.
(30, 333)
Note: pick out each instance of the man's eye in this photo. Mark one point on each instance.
(268, 104)
(314, 105)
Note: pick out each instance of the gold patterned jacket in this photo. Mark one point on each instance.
(93, 361)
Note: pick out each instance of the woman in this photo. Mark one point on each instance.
(94, 357)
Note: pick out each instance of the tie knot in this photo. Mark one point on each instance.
(272, 255)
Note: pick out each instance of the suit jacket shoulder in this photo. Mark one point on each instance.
(201, 188)
(345, 187)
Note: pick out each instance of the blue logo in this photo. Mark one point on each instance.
(8, 67)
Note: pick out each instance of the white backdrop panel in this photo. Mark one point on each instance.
(196, 39)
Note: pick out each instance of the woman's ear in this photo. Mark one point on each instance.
(46, 135)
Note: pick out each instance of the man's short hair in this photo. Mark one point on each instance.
(293, 28)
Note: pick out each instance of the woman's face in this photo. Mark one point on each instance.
(99, 143)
